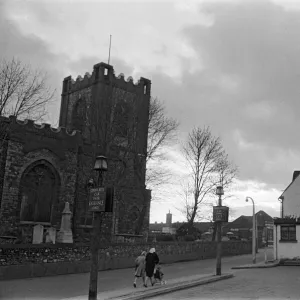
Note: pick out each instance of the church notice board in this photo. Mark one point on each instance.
(97, 199)
(220, 213)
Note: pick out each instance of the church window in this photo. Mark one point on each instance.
(38, 191)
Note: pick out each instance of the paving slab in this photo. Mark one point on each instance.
(170, 287)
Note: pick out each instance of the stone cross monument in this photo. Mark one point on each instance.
(65, 233)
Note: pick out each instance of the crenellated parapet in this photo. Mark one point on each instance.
(35, 136)
(43, 129)
(103, 72)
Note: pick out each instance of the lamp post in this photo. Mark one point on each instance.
(280, 199)
(219, 192)
(96, 206)
(253, 232)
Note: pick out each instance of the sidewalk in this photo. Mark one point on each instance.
(113, 283)
(260, 265)
(171, 286)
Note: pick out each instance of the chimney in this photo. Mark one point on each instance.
(295, 174)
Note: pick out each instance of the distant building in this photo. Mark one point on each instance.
(241, 227)
(169, 219)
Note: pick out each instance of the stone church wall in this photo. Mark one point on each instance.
(70, 151)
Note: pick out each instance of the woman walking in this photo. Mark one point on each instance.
(139, 268)
(151, 260)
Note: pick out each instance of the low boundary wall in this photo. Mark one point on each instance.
(26, 261)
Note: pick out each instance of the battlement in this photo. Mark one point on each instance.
(43, 129)
(105, 73)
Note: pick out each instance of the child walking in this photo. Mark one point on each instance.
(139, 268)
(159, 275)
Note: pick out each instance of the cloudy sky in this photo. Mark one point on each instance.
(232, 65)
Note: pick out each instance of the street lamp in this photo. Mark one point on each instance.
(280, 199)
(219, 192)
(97, 205)
(100, 166)
(253, 232)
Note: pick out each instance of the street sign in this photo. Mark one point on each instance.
(220, 213)
(97, 199)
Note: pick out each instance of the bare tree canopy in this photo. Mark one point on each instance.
(209, 166)
(23, 91)
(161, 132)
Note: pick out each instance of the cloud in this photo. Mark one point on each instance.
(232, 65)
(249, 83)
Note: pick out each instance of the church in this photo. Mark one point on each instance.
(43, 168)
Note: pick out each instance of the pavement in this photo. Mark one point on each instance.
(259, 265)
(117, 283)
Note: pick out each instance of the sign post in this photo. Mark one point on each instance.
(220, 214)
(97, 200)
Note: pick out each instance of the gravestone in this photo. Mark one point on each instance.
(38, 233)
(51, 235)
(65, 233)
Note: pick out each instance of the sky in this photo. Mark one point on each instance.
(231, 65)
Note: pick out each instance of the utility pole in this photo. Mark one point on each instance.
(253, 232)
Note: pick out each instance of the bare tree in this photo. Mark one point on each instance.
(161, 133)
(209, 166)
(23, 91)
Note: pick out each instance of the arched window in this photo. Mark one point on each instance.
(38, 190)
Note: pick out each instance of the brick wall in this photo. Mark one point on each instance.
(23, 262)
(18, 254)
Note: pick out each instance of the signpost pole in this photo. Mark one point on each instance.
(220, 214)
(94, 256)
(219, 242)
(94, 244)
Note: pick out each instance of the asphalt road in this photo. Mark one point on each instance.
(64, 286)
(270, 283)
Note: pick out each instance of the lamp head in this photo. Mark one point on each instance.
(100, 163)
(219, 190)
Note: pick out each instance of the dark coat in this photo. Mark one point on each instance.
(151, 260)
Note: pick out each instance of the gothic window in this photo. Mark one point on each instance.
(79, 115)
(38, 191)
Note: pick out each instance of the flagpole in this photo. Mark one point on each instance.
(109, 49)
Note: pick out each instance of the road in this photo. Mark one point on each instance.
(64, 286)
(271, 283)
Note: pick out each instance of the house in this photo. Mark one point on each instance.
(287, 227)
(242, 227)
